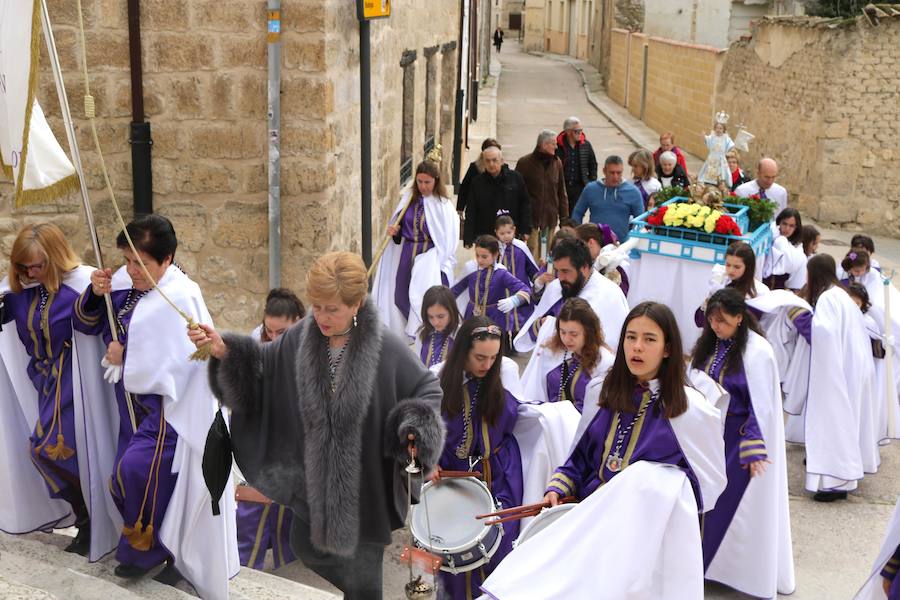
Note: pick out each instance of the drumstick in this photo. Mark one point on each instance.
(516, 517)
(526, 508)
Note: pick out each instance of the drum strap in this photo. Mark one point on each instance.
(486, 444)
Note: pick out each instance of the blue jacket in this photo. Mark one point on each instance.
(612, 206)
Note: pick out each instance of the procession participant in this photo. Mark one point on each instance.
(423, 251)
(561, 368)
(841, 375)
(491, 290)
(810, 238)
(598, 238)
(327, 435)
(261, 523)
(750, 522)
(518, 260)
(576, 278)
(545, 181)
(857, 268)
(157, 482)
(545, 274)
(650, 459)
(861, 241)
(58, 438)
(739, 273)
(670, 173)
(440, 320)
(644, 176)
(764, 185)
(480, 404)
(883, 582)
(282, 311)
(785, 265)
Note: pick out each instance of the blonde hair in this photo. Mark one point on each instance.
(644, 159)
(733, 153)
(337, 275)
(49, 242)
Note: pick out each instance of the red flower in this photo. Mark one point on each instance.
(726, 225)
(656, 218)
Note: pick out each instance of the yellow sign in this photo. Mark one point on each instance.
(374, 9)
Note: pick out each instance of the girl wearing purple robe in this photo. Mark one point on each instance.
(561, 369)
(142, 482)
(440, 320)
(732, 352)
(740, 274)
(41, 306)
(644, 391)
(493, 291)
(517, 259)
(480, 412)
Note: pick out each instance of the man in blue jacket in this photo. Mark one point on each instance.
(612, 200)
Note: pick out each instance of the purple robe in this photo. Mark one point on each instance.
(502, 473)
(416, 240)
(744, 444)
(586, 468)
(777, 282)
(517, 262)
(575, 385)
(260, 527)
(889, 572)
(435, 348)
(48, 342)
(802, 321)
(142, 482)
(500, 284)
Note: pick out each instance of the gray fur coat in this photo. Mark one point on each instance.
(336, 460)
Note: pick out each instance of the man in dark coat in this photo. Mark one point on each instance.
(497, 188)
(545, 180)
(578, 159)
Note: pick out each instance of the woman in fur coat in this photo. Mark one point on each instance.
(321, 421)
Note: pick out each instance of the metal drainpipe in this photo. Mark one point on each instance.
(140, 140)
(365, 134)
(274, 130)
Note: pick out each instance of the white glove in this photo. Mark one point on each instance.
(113, 372)
(718, 279)
(506, 304)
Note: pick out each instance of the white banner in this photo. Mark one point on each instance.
(29, 154)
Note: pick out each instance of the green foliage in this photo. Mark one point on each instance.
(667, 193)
(760, 211)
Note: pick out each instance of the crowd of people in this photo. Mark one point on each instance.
(677, 453)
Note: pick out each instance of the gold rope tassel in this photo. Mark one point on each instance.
(201, 353)
(139, 537)
(59, 450)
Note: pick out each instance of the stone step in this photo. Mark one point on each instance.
(35, 567)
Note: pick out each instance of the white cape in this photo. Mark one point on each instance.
(765, 500)
(884, 404)
(443, 227)
(543, 360)
(786, 259)
(30, 507)
(840, 400)
(635, 538)
(204, 546)
(604, 296)
(872, 589)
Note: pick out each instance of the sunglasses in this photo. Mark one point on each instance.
(25, 269)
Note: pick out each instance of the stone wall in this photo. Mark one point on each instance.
(205, 96)
(828, 120)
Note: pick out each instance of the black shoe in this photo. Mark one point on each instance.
(169, 575)
(829, 496)
(130, 571)
(81, 545)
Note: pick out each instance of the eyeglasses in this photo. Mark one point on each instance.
(26, 269)
(577, 131)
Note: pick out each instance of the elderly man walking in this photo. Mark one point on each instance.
(577, 156)
(764, 185)
(545, 181)
(612, 201)
(497, 188)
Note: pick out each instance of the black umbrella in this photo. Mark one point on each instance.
(217, 460)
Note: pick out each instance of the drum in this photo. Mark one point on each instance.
(541, 522)
(464, 542)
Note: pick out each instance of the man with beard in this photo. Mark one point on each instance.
(576, 278)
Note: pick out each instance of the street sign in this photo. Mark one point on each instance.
(373, 9)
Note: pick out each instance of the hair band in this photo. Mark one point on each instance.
(489, 329)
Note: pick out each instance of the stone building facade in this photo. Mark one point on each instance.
(205, 82)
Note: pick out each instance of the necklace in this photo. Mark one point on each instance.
(334, 361)
(130, 302)
(614, 461)
(45, 301)
(433, 358)
(481, 305)
(565, 375)
(717, 360)
(462, 451)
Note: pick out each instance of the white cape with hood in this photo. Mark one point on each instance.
(841, 389)
(604, 296)
(635, 538)
(873, 588)
(760, 532)
(443, 227)
(27, 506)
(157, 362)
(884, 405)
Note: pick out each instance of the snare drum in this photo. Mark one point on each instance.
(464, 542)
(547, 517)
